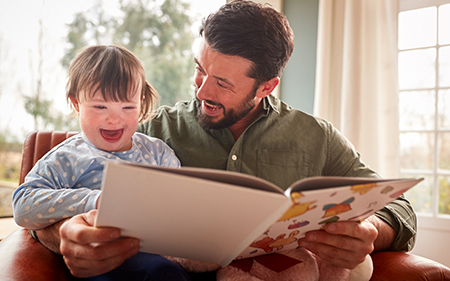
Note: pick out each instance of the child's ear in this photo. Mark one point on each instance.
(75, 104)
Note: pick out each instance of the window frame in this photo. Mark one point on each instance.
(432, 220)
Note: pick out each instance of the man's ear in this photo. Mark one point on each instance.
(267, 87)
(75, 104)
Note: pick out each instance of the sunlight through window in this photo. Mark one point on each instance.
(424, 105)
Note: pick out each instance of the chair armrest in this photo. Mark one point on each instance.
(406, 266)
(22, 258)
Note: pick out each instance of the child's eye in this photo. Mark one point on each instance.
(129, 107)
(100, 107)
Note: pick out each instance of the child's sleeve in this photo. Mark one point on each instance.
(48, 196)
(167, 157)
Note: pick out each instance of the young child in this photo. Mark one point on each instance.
(107, 88)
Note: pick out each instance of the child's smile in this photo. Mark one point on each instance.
(111, 135)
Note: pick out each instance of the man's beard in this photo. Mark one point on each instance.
(230, 116)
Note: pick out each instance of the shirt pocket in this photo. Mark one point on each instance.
(281, 167)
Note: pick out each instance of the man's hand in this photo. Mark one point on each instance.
(344, 244)
(90, 251)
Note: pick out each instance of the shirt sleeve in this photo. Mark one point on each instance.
(47, 196)
(400, 215)
(344, 160)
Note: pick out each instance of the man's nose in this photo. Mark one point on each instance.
(204, 89)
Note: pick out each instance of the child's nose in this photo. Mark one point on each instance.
(113, 118)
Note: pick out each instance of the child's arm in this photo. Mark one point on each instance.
(49, 195)
(163, 154)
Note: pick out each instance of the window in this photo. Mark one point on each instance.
(35, 50)
(424, 104)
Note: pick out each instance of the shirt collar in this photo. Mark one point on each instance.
(271, 103)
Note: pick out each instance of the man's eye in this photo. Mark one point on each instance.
(199, 69)
(222, 84)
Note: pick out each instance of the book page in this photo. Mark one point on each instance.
(331, 182)
(313, 208)
(184, 216)
(230, 177)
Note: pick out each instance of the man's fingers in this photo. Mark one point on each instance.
(352, 236)
(344, 244)
(100, 251)
(364, 230)
(336, 256)
(80, 229)
(90, 251)
(98, 258)
(85, 268)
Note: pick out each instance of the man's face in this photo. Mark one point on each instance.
(224, 92)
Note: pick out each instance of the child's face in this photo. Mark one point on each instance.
(108, 125)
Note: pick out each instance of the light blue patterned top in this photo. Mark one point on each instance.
(67, 180)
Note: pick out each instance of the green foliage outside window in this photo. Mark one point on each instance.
(159, 35)
(158, 32)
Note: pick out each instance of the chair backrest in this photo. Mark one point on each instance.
(36, 145)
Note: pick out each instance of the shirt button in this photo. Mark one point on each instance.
(234, 157)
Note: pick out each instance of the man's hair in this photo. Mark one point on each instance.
(112, 70)
(253, 31)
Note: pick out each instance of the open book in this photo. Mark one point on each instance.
(218, 216)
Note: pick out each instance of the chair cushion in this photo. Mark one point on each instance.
(22, 258)
(406, 266)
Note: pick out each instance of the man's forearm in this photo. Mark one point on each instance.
(50, 238)
(386, 234)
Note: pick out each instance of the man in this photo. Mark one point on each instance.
(234, 123)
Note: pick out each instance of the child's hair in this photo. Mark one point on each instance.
(113, 70)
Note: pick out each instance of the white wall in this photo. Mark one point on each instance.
(299, 78)
(433, 240)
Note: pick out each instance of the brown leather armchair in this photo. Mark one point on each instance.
(22, 258)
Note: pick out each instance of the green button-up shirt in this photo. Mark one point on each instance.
(282, 146)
